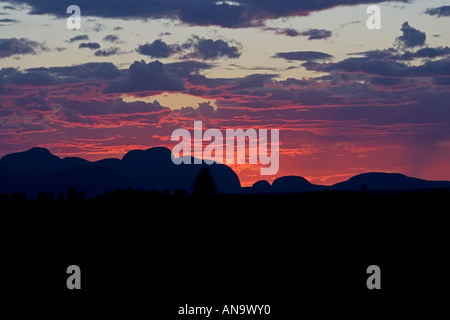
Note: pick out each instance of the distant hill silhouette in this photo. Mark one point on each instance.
(37, 170)
(262, 186)
(388, 181)
(294, 184)
(33, 162)
(372, 181)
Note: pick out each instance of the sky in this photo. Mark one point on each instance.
(346, 99)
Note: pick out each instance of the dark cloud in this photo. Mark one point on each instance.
(315, 34)
(107, 52)
(443, 11)
(79, 38)
(363, 65)
(383, 67)
(431, 68)
(87, 71)
(6, 72)
(113, 113)
(312, 34)
(8, 20)
(303, 55)
(185, 69)
(431, 52)
(34, 101)
(393, 54)
(5, 113)
(288, 32)
(204, 109)
(297, 82)
(111, 38)
(30, 77)
(190, 71)
(90, 45)
(243, 13)
(201, 80)
(157, 49)
(142, 76)
(209, 49)
(8, 7)
(223, 14)
(411, 37)
(110, 106)
(253, 81)
(59, 75)
(98, 27)
(383, 81)
(194, 48)
(390, 53)
(12, 46)
(284, 31)
(442, 81)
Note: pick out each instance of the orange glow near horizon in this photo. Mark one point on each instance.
(289, 165)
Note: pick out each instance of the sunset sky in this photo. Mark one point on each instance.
(346, 99)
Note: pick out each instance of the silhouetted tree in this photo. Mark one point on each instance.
(60, 197)
(364, 188)
(45, 197)
(74, 194)
(204, 184)
(180, 193)
(18, 196)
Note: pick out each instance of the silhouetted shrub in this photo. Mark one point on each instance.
(74, 194)
(204, 184)
(45, 197)
(19, 197)
(180, 193)
(60, 197)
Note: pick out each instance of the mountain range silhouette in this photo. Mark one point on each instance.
(371, 181)
(37, 170)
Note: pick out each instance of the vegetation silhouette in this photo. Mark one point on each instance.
(73, 194)
(204, 184)
(362, 202)
(240, 246)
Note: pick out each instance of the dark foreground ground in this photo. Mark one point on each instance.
(144, 255)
